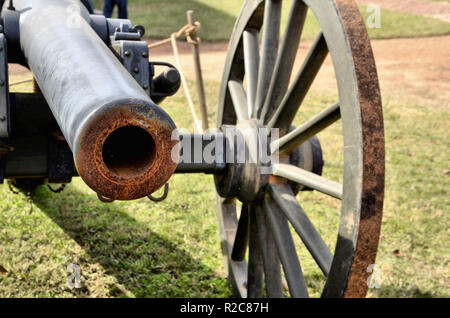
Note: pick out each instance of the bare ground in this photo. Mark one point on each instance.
(417, 70)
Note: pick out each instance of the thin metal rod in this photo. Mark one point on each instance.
(255, 283)
(285, 198)
(270, 38)
(286, 58)
(251, 60)
(21, 82)
(291, 102)
(308, 179)
(271, 260)
(239, 98)
(241, 240)
(198, 74)
(312, 127)
(286, 249)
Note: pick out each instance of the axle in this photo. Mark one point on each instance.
(47, 155)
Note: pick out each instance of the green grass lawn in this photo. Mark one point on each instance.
(163, 17)
(171, 249)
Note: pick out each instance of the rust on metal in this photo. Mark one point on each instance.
(276, 180)
(135, 179)
(373, 148)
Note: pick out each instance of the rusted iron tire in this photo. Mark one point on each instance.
(264, 221)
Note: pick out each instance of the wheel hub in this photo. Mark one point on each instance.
(249, 161)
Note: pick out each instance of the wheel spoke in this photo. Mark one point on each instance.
(288, 204)
(308, 179)
(241, 240)
(271, 261)
(251, 60)
(226, 216)
(290, 104)
(239, 98)
(286, 249)
(312, 127)
(270, 38)
(255, 281)
(286, 58)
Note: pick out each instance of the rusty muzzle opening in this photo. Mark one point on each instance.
(129, 151)
(125, 151)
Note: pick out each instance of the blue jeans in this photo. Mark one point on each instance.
(109, 7)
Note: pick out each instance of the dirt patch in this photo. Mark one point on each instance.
(438, 10)
(415, 70)
(17, 69)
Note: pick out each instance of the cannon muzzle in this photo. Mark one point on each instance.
(121, 141)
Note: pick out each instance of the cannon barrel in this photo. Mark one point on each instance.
(121, 141)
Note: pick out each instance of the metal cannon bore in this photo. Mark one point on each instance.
(123, 154)
(129, 151)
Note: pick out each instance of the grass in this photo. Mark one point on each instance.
(162, 17)
(172, 249)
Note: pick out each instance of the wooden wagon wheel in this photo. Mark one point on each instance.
(268, 100)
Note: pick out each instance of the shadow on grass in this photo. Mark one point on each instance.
(392, 291)
(143, 262)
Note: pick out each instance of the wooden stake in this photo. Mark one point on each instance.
(198, 74)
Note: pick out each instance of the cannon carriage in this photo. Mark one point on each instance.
(95, 114)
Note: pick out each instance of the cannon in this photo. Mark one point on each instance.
(94, 114)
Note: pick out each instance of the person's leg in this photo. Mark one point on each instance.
(123, 12)
(108, 9)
